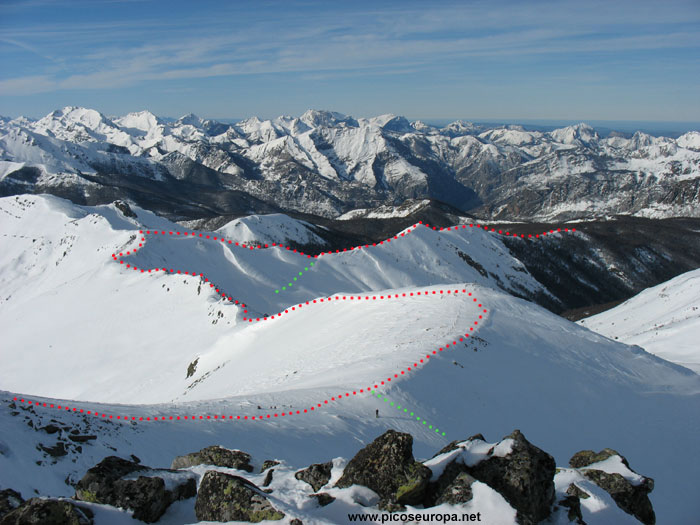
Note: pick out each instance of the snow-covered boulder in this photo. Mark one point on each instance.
(610, 471)
(522, 473)
(146, 491)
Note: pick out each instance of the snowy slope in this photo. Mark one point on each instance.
(78, 325)
(664, 320)
(385, 212)
(61, 258)
(518, 377)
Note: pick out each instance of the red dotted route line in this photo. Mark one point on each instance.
(118, 257)
(399, 373)
(416, 364)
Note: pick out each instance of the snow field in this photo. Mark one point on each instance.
(564, 386)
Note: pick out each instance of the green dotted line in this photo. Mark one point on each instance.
(407, 411)
(289, 285)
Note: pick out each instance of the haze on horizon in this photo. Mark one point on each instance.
(593, 61)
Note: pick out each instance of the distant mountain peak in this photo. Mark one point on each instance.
(323, 118)
(580, 133)
(88, 117)
(191, 120)
(142, 120)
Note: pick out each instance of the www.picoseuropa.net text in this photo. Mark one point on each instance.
(415, 518)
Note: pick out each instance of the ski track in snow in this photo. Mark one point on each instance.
(118, 257)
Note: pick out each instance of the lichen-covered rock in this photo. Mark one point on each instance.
(316, 475)
(388, 468)
(121, 483)
(458, 491)
(322, 498)
(223, 497)
(576, 491)
(391, 506)
(524, 477)
(39, 511)
(217, 456)
(9, 500)
(268, 463)
(633, 499)
(588, 457)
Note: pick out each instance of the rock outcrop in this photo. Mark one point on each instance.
(37, 511)
(121, 483)
(223, 497)
(316, 475)
(388, 468)
(632, 497)
(458, 491)
(217, 456)
(516, 469)
(523, 475)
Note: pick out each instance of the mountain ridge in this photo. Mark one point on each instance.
(326, 163)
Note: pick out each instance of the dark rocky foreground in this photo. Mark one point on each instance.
(519, 471)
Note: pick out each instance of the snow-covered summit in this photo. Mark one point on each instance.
(458, 128)
(273, 228)
(88, 117)
(390, 122)
(690, 140)
(322, 118)
(578, 134)
(142, 120)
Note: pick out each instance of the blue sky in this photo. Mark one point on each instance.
(584, 60)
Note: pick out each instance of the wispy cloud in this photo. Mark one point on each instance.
(338, 43)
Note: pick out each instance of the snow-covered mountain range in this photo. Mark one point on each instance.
(328, 164)
(86, 326)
